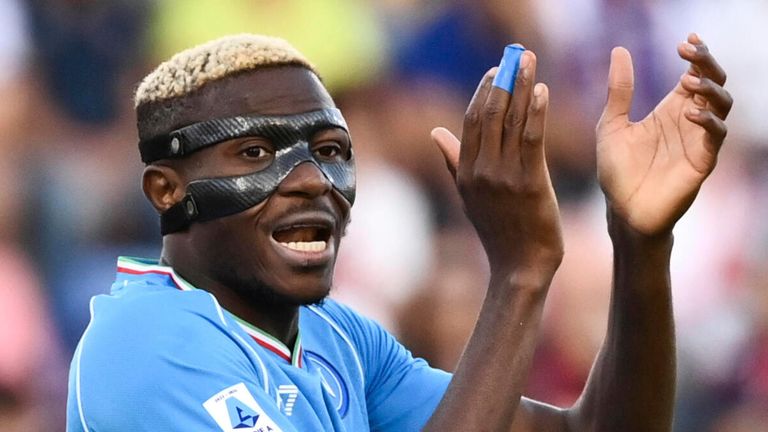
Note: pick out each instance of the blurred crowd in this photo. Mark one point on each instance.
(70, 198)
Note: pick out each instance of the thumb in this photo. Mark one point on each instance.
(621, 86)
(450, 147)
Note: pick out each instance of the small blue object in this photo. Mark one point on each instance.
(510, 64)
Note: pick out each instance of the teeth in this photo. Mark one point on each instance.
(314, 246)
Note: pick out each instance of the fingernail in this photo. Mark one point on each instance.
(693, 80)
(525, 66)
(525, 61)
(689, 47)
(694, 111)
(538, 90)
(697, 37)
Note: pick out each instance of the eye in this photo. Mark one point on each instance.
(256, 149)
(329, 150)
(257, 152)
(331, 145)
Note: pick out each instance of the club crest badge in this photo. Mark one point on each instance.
(332, 381)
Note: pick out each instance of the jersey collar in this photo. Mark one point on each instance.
(143, 266)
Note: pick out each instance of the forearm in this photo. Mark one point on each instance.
(632, 384)
(486, 388)
(501, 173)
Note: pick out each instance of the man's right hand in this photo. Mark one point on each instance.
(502, 176)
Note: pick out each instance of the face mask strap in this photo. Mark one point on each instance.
(191, 138)
(212, 198)
(179, 216)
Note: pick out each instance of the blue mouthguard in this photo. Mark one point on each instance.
(510, 64)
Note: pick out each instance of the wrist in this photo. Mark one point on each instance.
(528, 265)
(622, 232)
(641, 265)
(639, 249)
(531, 280)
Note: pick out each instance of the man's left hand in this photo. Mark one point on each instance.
(651, 171)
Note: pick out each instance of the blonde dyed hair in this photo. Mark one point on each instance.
(192, 68)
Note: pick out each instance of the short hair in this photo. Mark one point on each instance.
(161, 97)
(192, 68)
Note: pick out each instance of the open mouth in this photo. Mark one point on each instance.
(303, 238)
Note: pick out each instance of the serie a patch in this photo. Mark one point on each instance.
(235, 410)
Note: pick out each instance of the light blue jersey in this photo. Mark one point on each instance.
(161, 355)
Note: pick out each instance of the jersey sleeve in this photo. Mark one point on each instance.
(402, 392)
(148, 364)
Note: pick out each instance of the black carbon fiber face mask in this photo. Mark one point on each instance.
(291, 137)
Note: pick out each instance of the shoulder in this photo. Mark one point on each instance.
(333, 313)
(378, 352)
(357, 331)
(154, 352)
(401, 392)
(334, 322)
(139, 328)
(153, 316)
(341, 318)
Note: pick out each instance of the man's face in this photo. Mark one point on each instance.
(282, 250)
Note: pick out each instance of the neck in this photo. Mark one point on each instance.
(279, 320)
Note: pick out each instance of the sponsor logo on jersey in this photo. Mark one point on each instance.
(333, 384)
(235, 410)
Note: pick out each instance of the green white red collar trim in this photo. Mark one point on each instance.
(140, 266)
(269, 342)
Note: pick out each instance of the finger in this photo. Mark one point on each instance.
(621, 85)
(694, 38)
(714, 126)
(690, 46)
(703, 63)
(517, 114)
(449, 145)
(470, 136)
(714, 97)
(532, 149)
(492, 119)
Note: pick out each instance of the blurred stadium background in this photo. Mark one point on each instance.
(70, 199)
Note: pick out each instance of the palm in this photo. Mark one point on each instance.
(651, 171)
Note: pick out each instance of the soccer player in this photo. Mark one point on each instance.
(251, 167)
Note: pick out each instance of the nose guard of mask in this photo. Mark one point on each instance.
(208, 199)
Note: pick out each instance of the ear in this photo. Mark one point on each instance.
(163, 186)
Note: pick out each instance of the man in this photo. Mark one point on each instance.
(251, 168)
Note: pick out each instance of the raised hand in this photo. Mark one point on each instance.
(651, 171)
(502, 176)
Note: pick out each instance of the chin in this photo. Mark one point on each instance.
(292, 292)
(315, 301)
(275, 297)
(303, 297)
